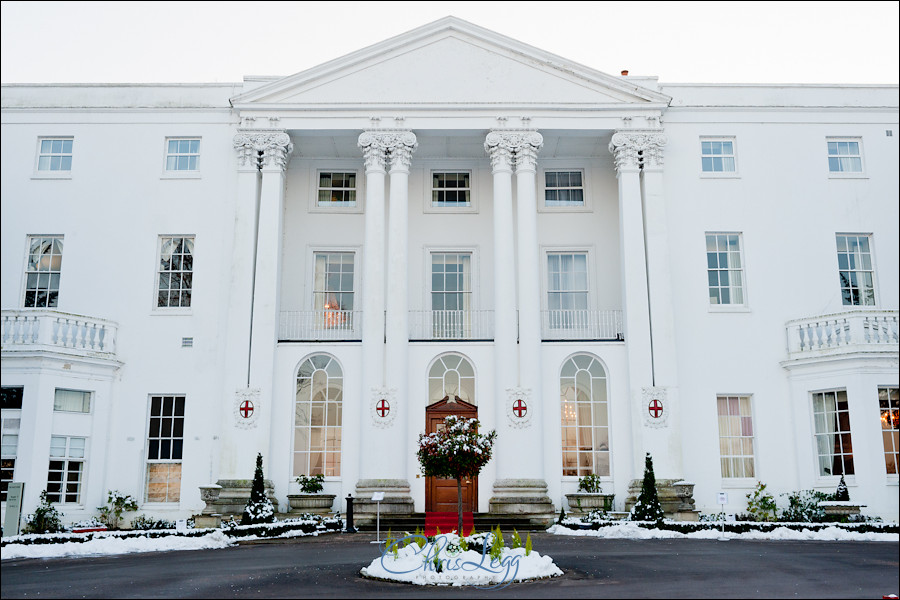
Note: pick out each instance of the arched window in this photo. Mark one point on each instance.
(453, 377)
(585, 417)
(317, 417)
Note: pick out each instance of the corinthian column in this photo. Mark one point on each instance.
(519, 487)
(628, 148)
(386, 469)
(253, 304)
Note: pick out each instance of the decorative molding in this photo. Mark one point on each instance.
(523, 394)
(506, 146)
(389, 395)
(242, 395)
(263, 148)
(382, 145)
(648, 395)
(637, 148)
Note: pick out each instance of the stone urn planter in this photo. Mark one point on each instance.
(836, 508)
(319, 504)
(209, 494)
(583, 503)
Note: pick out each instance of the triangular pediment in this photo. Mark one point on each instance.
(449, 62)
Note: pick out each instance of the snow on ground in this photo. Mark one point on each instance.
(630, 531)
(116, 545)
(457, 568)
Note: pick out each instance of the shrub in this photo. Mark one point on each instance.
(842, 494)
(116, 504)
(589, 484)
(144, 523)
(44, 519)
(647, 507)
(516, 540)
(259, 508)
(803, 506)
(761, 504)
(311, 485)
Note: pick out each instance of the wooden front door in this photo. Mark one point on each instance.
(440, 494)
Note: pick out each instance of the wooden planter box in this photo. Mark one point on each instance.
(583, 503)
(319, 504)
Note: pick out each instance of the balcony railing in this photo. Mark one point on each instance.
(320, 325)
(451, 325)
(31, 330)
(843, 333)
(582, 325)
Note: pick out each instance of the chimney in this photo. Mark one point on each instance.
(625, 73)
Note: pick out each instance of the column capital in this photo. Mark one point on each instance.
(508, 145)
(258, 149)
(381, 145)
(637, 148)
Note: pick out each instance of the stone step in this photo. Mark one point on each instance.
(482, 522)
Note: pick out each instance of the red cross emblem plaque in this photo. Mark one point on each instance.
(246, 409)
(383, 407)
(520, 408)
(656, 408)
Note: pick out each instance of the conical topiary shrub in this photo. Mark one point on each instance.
(647, 507)
(259, 508)
(842, 494)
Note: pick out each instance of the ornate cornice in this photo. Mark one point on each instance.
(636, 148)
(260, 149)
(507, 145)
(383, 145)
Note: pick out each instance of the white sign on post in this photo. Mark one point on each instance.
(181, 525)
(377, 497)
(14, 494)
(723, 500)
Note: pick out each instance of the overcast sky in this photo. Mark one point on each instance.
(716, 42)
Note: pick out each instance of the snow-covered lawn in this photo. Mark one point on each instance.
(631, 531)
(116, 545)
(443, 562)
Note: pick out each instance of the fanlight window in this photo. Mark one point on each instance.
(585, 417)
(317, 417)
(451, 377)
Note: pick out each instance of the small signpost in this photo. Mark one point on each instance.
(181, 525)
(13, 507)
(723, 500)
(377, 497)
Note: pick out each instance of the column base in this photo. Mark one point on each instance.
(202, 521)
(397, 500)
(525, 498)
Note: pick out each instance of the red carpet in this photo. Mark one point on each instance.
(447, 522)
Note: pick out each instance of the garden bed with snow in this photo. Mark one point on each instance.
(445, 559)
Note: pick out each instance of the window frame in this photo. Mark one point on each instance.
(25, 271)
(861, 174)
(891, 477)
(293, 421)
(39, 173)
(335, 166)
(731, 307)
(735, 174)
(829, 480)
(172, 310)
(873, 270)
(7, 415)
(335, 207)
(556, 166)
(587, 250)
(89, 393)
(310, 295)
(609, 420)
(146, 461)
(429, 168)
(740, 482)
(66, 459)
(181, 174)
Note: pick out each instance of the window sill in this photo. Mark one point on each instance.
(336, 210)
(62, 175)
(564, 209)
(847, 175)
(180, 175)
(705, 175)
(171, 312)
(727, 308)
(460, 210)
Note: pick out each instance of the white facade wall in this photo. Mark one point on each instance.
(118, 201)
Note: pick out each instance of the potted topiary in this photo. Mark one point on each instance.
(590, 496)
(310, 499)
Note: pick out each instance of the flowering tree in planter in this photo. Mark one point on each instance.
(456, 452)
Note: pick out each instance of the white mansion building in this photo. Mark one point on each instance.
(319, 267)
